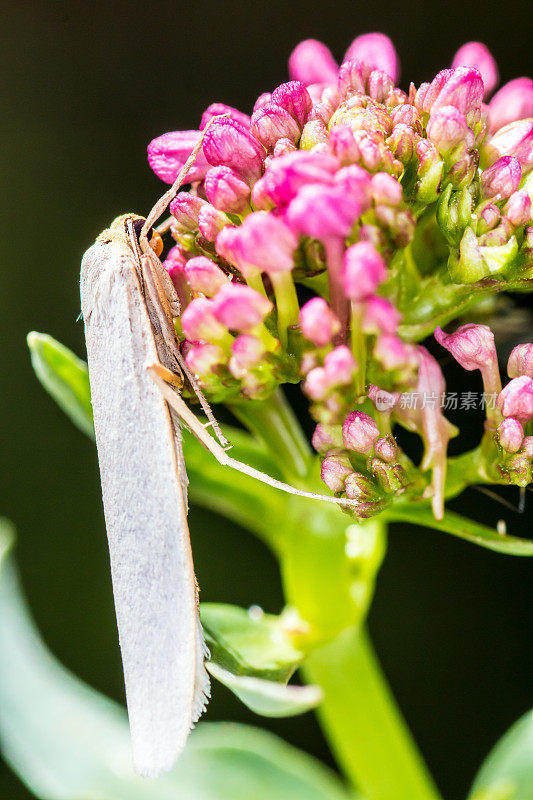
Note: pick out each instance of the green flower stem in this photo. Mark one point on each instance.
(274, 422)
(328, 568)
(362, 723)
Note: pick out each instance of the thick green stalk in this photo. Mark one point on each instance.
(274, 422)
(362, 723)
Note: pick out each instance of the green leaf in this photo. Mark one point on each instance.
(464, 528)
(268, 698)
(507, 772)
(248, 643)
(65, 377)
(68, 742)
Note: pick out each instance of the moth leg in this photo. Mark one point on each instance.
(178, 405)
(163, 320)
(167, 375)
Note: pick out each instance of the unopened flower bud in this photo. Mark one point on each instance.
(262, 242)
(516, 399)
(317, 383)
(392, 354)
(430, 167)
(203, 358)
(527, 447)
(515, 139)
(518, 208)
(211, 221)
(358, 487)
(199, 323)
(489, 217)
(282, 148)
(286, 175)
(363, 270)
(402, 142)
(272, 122)
(521, 361)
(326, 437)
(352, 78)
(386, 449)
(168, 153)
(386, 189)
(295, 99)
(380, 85)
(359, 432)
(391, 477)
(311, 62)
(204, 276)
(218, 109)
(502, 178)
(471, 345)
(512, 102)
(447, 128)
(356, 183)
(461, 87)
(340, 365)
(228, 143)
(174, 264)
(335, 469)
(314, 132)
(240, 308)
(476, 54)
(510, 435)
(322, 211)
(380, 316)
(226, 190)
(318, 322)
(185, 208)
(246, 353)
(376, 50)
(342, 144)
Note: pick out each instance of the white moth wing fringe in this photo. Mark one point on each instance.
(145, 511)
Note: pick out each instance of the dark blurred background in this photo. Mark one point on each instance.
(85, 87)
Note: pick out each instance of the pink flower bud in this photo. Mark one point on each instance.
(216, 109)
(322, 211)
(393, 354)
(475, 54)
(318, 322)
(262, 99)
(240, 308)
(356, 183)
(502, 178)
(510, 435)
(199, 323)
(272, 122)
(326, 437)
(282, 148)
(315, 132)
(211, 222)
(386, 189)
(376, 50)
(380, 316)
(246, 353)
(402, 142)
(174, 264)
(335, 469)
(386, 449)
(527, 447)
(516, 399)
(359, 432)
(461, 87)
(204, 276)
(512, 102)
(340, 365)
(263, 242)
(203, 358)
(447, 128)
(226, 190)
(352, 79)
(286, 175)
(363, 270)
(518, 208)
(380, 85)
(168, 153)
(295, 99)
(515, 139)
(228, 143)
(342, 144)
(317, 384)
(521, 361)
(488, 219)
(471, 345)
(358, 487)
(185, 208)
(312, 62)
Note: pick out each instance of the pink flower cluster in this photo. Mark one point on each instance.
(321, 187)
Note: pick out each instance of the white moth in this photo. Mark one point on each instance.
(128, 304)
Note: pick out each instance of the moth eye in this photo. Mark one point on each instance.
(154, 239)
